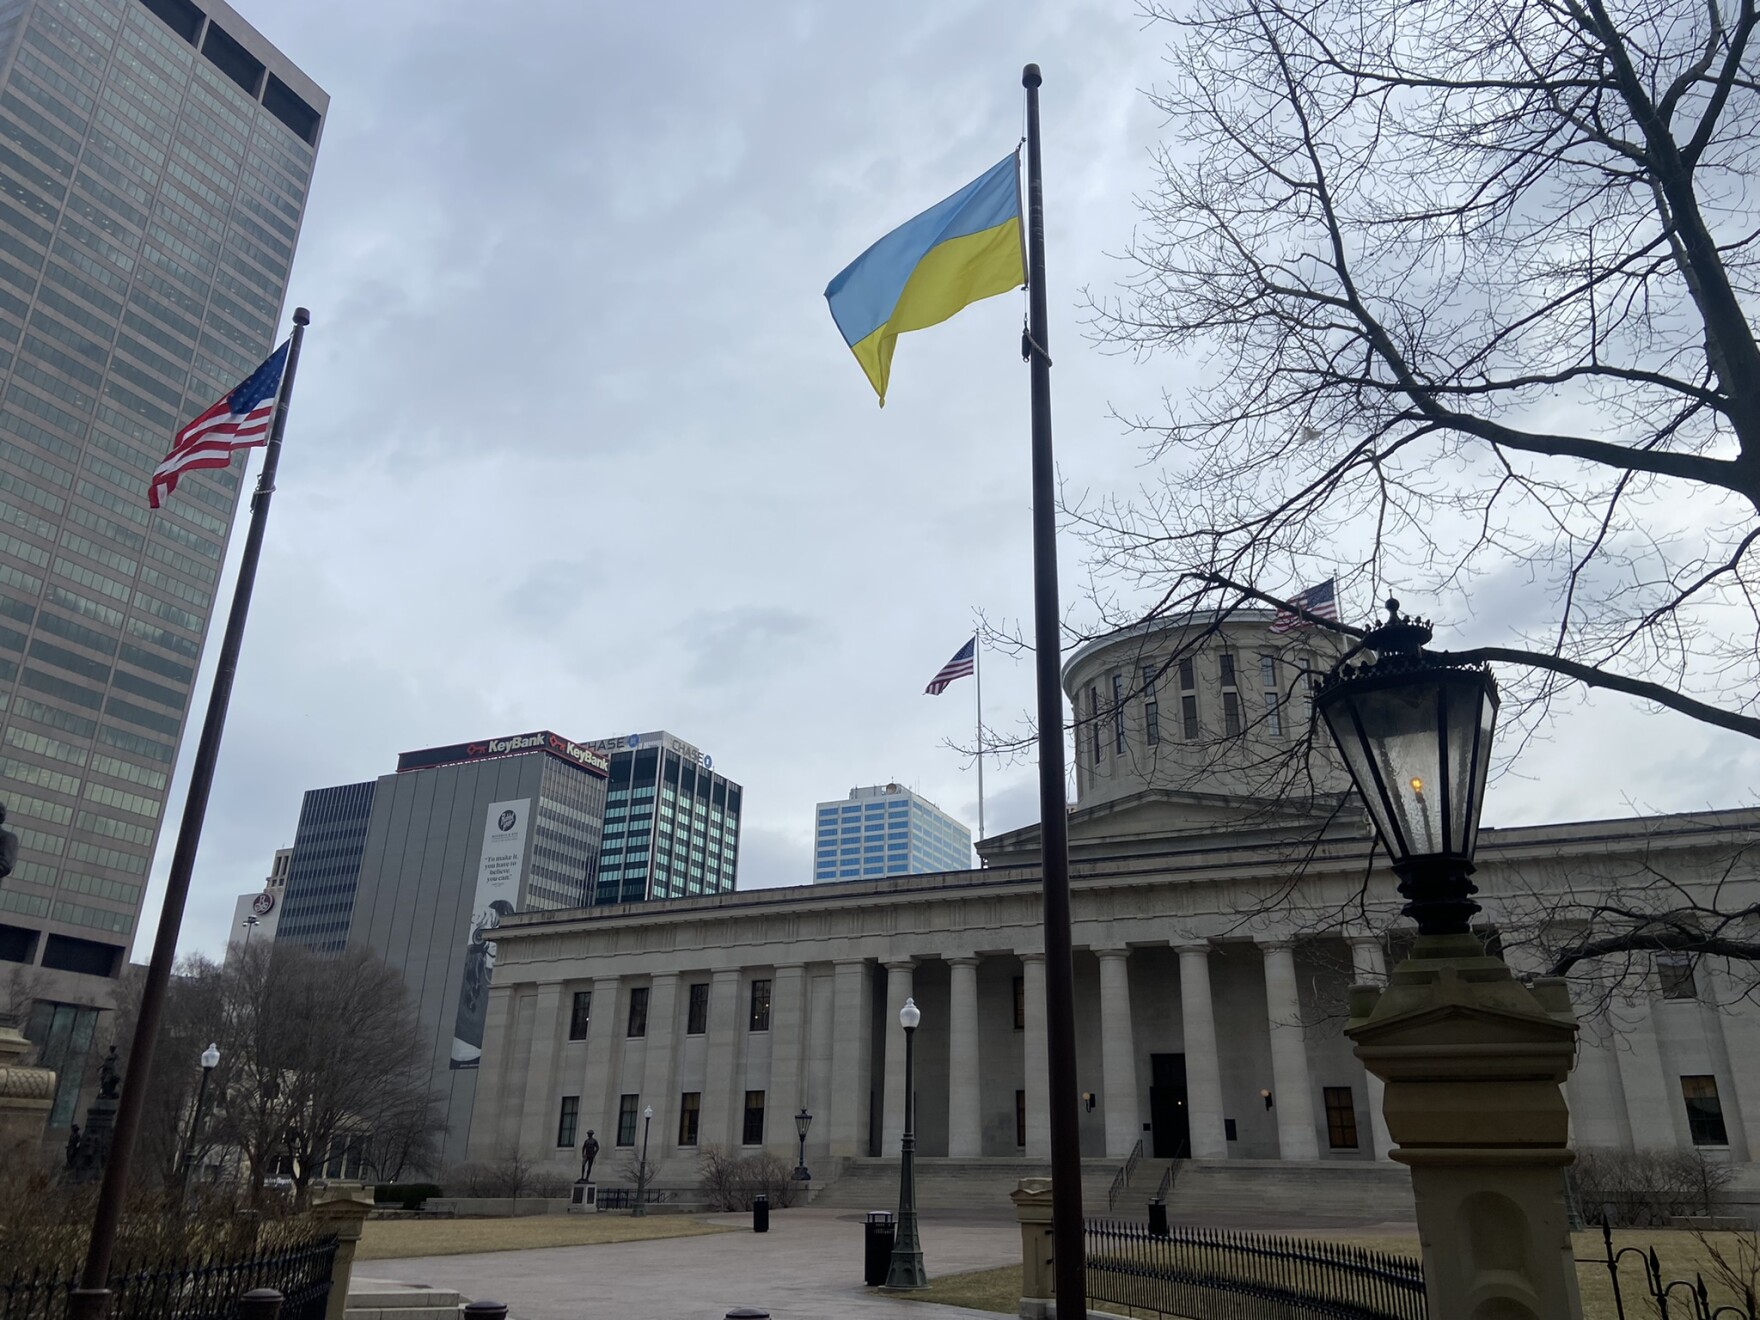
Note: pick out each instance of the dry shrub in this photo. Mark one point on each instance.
(731, 1183)
(510, 1176)
(1646, 1188)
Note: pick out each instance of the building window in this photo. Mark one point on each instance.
(1273, 715)
(1341, 1118)
(1225, 662)
(1231, 713)
(697, 1019)
(1020, 1118)
(753, 1135)
(1675, 972)
(1188, 710)
(690, 1105)
(1094, 723)
(1151, 708)
(1118, 713)
(1267, 671)
(638, 1012)
(581, 1016)
(760, 1006)
(626, 1119)
(1704, 1111)
(566, 1121)
(1020, 1003)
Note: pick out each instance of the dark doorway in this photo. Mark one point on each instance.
(1169, 1120)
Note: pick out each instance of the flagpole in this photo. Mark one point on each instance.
(1060, 1030)
(91, 1299)
(978, 673)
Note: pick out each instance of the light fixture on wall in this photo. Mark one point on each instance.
(1088, 1101)
(1266, 1097)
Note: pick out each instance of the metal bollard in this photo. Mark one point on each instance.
(484, 1311)
(260, 1304)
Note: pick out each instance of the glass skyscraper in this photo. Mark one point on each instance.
(671, 822)
(325, 869)
(886, 830)
(154, 161)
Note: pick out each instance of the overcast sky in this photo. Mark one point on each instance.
(577, 446)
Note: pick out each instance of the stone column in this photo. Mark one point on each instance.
(1649, 1093)
(1036, 1058)
(1369, 967)
(899, 987)
(1292, 1089)
(491, 1124)
(341, 1208)
(1118, 1054)
(965, 1127)
(1473, 1063)
(1598, 1096)
(852, 1005)
(1032, 1203)
(660, 1063)
(1734, 1023)
(723, 1096)
(786, 1090)
(1203, 1066)
(599, 1086)
(537, 1129)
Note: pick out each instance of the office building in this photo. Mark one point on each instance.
(420, 864)
(886, 830)
(255, 916)
(671, 821)
(154, 162)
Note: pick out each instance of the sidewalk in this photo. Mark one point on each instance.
(807, 1267)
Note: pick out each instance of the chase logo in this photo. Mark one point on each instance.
(507, 821)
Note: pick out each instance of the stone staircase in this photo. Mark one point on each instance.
(381, 1299)
(1254, 1193)
(955, 1184)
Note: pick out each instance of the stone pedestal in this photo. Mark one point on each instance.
(342, 1208)
(1032, 1205)
(584, 1198)
(1473, 1064)
(25, 1095)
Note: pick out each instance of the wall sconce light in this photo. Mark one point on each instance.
(1088, 1100)
(1266, 1097)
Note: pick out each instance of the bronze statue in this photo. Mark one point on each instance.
(109, 1077)
(589, 1153)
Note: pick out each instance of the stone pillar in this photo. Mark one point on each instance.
(852, 1005)
(965, 1126)
(1649, 1093)
(1032, 1206)
(25, 1096)
(820, 1079)
(786, 1090)
(1118, 1054)
(491, 1124)
(341, 1208)
(1473, 1063)
(660, 1064)
(537, 1125)
(1036, 1058)
(599, 1085)
(1369, 967)
(1734, 1024)
(1292, 1089)
(1203, 1065)
(899, 987)
(1598, 1096)
(723, 1096)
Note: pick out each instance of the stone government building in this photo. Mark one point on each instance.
(1218, 920)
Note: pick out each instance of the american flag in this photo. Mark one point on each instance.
(1321, 600)
(962, 663)
(238, 421)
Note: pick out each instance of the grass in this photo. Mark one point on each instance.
(388, 1239)
(1682, 1255)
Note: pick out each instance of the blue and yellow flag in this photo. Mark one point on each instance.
(958, 251)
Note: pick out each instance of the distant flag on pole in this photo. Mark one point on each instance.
(961, 665)
(1321, 600)
(240, 420)
(964, 248)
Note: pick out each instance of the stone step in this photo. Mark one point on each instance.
(951, 1184)
(386, 1299)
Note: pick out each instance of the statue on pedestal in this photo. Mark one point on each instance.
(589, 1153)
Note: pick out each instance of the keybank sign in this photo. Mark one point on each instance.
(513, 745)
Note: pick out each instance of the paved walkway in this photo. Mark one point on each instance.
(807, 1267)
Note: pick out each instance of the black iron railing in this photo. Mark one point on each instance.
(624, 1198)
(1669, 1297)
(186, 1290)
(1202, 1274)
(1122, 1179)
(1166, 1184)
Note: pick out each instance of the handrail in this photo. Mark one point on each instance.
(1166, 1182)
(1122, 1179)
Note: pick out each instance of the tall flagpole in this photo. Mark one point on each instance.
(978, 673)
(1060, 1021)
(91, 1300)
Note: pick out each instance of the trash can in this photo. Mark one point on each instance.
(878, 1235)
(760, 1213)
(1158, 1219)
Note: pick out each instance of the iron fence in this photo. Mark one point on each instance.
(1668, 1297)
(1203, 1274)
(624, 1198)
(186, 1290)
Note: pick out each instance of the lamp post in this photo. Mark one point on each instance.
(1472, 1060)
(210, 1061)
(802, 1121)
(906, 1267)
(250, 925)
(642, 1168)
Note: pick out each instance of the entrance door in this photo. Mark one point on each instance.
(1169, 1120)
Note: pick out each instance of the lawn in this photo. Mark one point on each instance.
(1682, 1255)
(386, 1239)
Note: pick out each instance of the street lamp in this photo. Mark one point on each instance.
(1415, 733)
(642, 1168)
(250, 925)
(906, 1267)
(210, 1061)
(802, 1121)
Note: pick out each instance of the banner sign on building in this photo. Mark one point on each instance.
(581, 754)
(636, 741)
(497, 896)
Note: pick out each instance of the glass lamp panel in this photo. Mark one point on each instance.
(1460, 696)
(1397, 742)
(1487, 719)
(1340, 716)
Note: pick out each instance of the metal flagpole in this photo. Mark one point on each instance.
(91, 1299)
(978, 674)
(1060, 1025)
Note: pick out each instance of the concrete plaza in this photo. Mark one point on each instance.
(807, 1267)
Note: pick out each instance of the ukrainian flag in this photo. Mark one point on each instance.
(958, 251)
